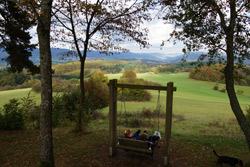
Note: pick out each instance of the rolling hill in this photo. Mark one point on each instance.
(61, 56)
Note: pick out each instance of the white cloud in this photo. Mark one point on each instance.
(158, 32)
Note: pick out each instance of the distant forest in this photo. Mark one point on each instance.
(68, 73)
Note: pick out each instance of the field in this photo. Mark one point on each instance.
(202, 119)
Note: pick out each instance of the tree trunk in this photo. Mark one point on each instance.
(80, 109)
(231, 91)
(43, 30)
(82, 60)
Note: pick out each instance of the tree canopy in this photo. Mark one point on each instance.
(101, 25)
(207, 24)
(15, 38)
(221, 27)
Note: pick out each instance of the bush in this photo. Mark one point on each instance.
(240, 92)
(99, 77)
(36, 87)
(65, 106)
(134, 95)
(33, 118)
(96, 95)
(223, 90)
(216, 87)
(129, 77)
(147, 112)
(31, 112)
(13, 117)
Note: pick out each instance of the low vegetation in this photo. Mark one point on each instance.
(24, 113)
(129, 77)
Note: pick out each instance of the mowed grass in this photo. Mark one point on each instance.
(5, 96)
(208, 118)
(192, 96)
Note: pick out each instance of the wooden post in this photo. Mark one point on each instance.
(168, 126)
(112, 117)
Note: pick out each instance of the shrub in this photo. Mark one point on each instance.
(65, 106)
(240, 92)
(96, 94)
(13, 117)
(34, 118)
(36, 87)
(147, 112)
(99, 77)
(223, 90)
(31, 111)
(216, 87)
(133, 94)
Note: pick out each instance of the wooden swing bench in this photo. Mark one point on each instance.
(138, 146)
(134, 145)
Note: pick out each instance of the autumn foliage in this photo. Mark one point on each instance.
(129, 77)
(207, 73)
(97, 93)
(215, 73)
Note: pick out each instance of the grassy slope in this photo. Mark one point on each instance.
(209, 120)
(192, 96)
(5, 96)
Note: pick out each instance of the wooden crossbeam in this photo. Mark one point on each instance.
(130, 86)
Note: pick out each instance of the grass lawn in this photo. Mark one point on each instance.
(206, 121)
(208, 118)
(5, 96)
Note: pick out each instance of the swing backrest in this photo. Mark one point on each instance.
(133, 143)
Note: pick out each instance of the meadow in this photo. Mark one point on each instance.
(207, 120)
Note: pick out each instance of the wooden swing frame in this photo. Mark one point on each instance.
(113, 85)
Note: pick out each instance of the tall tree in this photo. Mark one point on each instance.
(43, 31)
(100, 25)
(222, 27)
(15, 38)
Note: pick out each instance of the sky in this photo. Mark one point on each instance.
(158, 32)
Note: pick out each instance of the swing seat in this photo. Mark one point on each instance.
(134, 145)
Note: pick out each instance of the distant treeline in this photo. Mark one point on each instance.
(119, 66)
(70, 72)
(215, 73)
